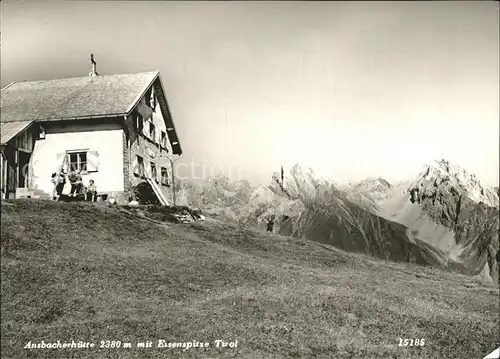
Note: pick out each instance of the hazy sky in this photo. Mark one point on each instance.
(352, 89)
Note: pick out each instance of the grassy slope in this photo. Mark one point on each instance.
(74, 271)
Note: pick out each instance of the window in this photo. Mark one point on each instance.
(78, 161)
(147, 96)
(23, 140)
(152, 101)
(152, 132)
(164, 177)
(163, 139)
(82, 160)
(139, 124)
(154, 175)
(150, 98)
(139, 166)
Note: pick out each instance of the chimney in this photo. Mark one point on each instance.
(94, 72)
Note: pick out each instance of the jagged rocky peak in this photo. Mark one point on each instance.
(374, 184)
(303, 183)
(368, 193)
(385, 182)
(303, 174)
(442, 179)
(300, 176)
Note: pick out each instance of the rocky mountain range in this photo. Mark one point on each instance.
(446, 217)
(331, 216)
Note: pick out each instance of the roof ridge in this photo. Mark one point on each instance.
(81, 77)
(74, 97)
(9, 85)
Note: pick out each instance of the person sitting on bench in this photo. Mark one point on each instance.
(75, 179)
(91, 191)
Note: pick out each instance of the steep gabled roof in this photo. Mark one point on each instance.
(9, 130)
(82, 97)
(73, 97)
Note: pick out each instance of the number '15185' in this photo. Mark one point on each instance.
(411, 342)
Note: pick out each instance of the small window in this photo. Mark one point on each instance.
(164, 177)
(139, 166)
(22, 140)
(147, 96)
(163, 139)
(152, 132)
(150, 98)
(152, 101)
(139, 124)
(84, 161)
(154, 174)
(78, 161)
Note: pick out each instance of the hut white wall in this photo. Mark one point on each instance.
(107, 142)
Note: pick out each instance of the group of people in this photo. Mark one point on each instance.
(77, 188)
